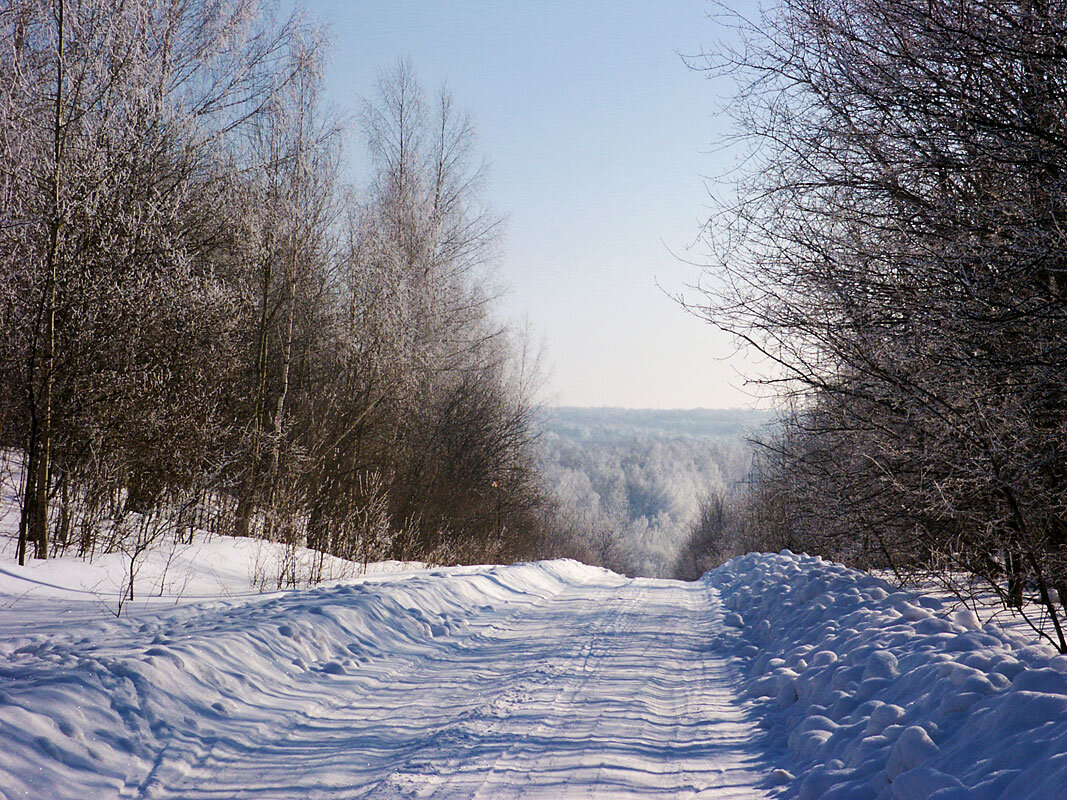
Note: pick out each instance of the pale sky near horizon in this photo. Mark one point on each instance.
(599, 140)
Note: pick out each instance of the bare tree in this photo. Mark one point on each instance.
(902, 265)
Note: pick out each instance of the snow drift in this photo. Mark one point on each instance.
(873, 693)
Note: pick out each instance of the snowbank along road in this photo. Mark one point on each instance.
(549, 680)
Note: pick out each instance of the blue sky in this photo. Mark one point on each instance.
(598, 138)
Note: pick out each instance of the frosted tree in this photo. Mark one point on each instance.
(902, 264)
(426, 241)
(294, 161)
(119, 165)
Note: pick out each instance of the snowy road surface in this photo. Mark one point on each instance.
(536, 681)
(604, 691)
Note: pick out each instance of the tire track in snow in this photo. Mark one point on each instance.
(640, 708)
(434, 771)
(190, 766)
(563, 698)
(510, 764)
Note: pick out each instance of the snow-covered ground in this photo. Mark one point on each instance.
(544, 680)
(871, 693)
(169, 575)
(774, 676)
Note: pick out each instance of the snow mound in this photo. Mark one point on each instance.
(874, 694)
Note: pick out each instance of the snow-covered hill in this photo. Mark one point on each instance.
(776, 675)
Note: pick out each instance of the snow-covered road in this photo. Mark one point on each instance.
(604, 691)
(532, 681)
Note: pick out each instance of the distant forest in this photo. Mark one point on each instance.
(629, 485)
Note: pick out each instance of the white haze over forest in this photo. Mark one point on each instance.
(630, 481)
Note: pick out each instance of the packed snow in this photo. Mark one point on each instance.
(774, 676)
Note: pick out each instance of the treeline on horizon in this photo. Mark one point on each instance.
(899, 251)
(627, 485)
(205, 328)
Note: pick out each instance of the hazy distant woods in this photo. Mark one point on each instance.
(203, 327)
(628, 485)
(900, 251)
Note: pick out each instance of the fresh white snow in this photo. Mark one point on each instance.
(872, 693)
(549, 680)
(774, 676)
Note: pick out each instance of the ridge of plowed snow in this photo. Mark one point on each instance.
(874, 693)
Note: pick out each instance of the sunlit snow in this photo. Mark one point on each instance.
(774, 676)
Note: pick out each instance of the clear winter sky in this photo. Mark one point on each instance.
(599, 140)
